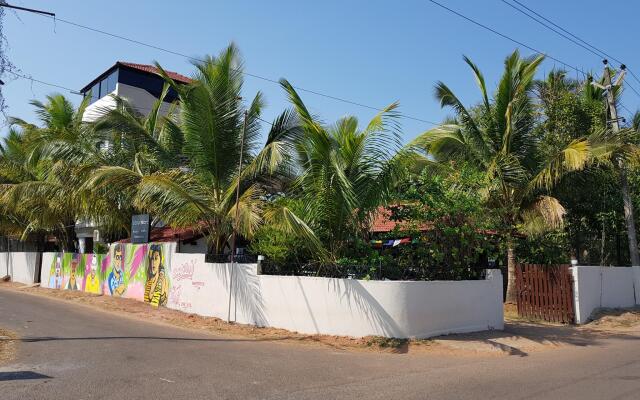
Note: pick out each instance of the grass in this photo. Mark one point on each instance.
(386, 343)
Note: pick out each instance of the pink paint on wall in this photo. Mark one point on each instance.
(138, 258)
(105, 262)
(135, 290)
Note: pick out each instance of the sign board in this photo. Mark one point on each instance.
(140, 228)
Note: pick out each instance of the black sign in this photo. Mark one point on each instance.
(140, 228)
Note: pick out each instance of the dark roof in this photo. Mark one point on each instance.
(146, 68)
(168, 234)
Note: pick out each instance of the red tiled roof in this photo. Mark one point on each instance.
(382, 222)
(153, 70)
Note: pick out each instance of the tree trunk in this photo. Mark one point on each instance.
(628, 218)
(512, 294)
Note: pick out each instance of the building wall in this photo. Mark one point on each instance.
(139, 98)
(603, 287)
(322, 305)
(21, 266)
(336, 306)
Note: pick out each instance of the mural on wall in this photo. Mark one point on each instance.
(156, 290)
(56, 277)
(182, 281)
(114, 283)
(70, 271)
(92, 278)
(137, 271)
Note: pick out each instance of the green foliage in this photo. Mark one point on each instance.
(446, 213)
(345, 172)
(550, 248)
(387, 343)
(276, 244)
(532, 165)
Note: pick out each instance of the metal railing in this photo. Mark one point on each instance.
(227, 258)
(387, 271)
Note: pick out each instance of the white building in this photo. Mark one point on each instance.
(141, 85)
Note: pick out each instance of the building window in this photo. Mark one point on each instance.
(104, 87)
(112, 80)
(95, 92)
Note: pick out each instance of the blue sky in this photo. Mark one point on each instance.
(372, 52)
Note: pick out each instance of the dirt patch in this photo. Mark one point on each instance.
(8, 346)
(140, 310)
(617, 319)
(519, 337)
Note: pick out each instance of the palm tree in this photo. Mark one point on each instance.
(46, 193)
(498, 137)
(129, 141)
(13, 169)
(344, 173)
(211, 134)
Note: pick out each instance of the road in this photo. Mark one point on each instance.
(71, 351)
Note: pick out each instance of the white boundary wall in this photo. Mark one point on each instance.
(336, 306)
(604, 287)
(348, 307)
(20, 266)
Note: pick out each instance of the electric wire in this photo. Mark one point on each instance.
(577, 38)
(598, 54)
(508, 37)
(29, 78)
(592, 49)
(266, 79)
(32, 79)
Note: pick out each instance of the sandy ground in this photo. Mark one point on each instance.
(519, 337)
(7, 346)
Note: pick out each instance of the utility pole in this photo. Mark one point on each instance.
(612, 112)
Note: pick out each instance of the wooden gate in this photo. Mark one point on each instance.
(545, 292)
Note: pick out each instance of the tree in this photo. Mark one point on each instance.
(46, 191)
(13, 169)
(214, 131)
(344, 173)
(498, 137)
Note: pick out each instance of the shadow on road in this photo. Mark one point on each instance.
(177, 339)
(519, 339)
(21, 375)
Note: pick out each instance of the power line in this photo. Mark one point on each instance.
(592, 49)
(30, 78)
(626, 108)
(598, 54)
(567, 32)
(275, 81)
(507, 37)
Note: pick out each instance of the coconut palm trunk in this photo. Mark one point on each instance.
(512, 291)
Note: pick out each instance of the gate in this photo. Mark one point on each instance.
(545, 292)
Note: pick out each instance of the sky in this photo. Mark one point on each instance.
(370, 52)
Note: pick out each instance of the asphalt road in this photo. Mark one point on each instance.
(68, 351)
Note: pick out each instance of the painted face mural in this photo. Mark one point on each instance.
(135, 271)
(72, 283)
(157, 287)
(55, 281)
(92, 283)
(116, 277)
